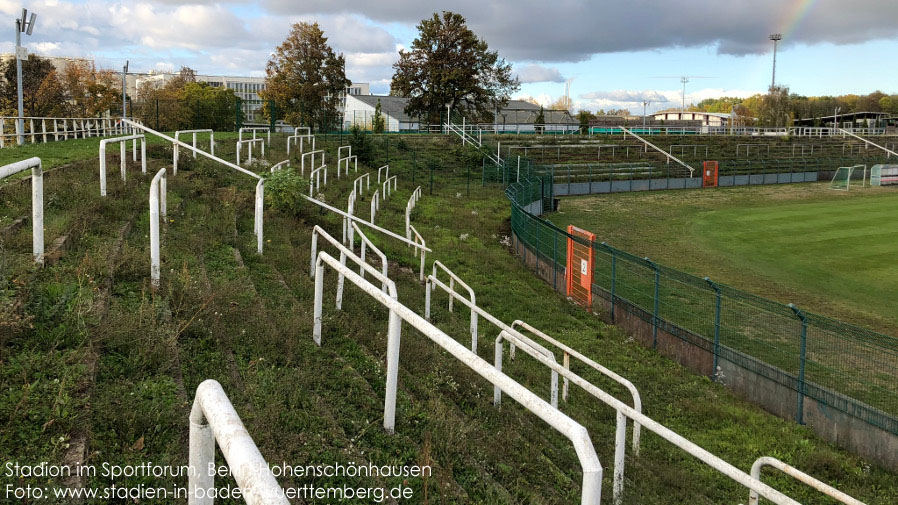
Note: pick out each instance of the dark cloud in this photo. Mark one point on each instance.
(574, 30)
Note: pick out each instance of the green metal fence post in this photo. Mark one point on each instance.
(431, 179)
(414, 165)
(483, 171)
(657, 301)
(469, 179)
(238, 119)
(271, 116)
(716, 289)
(613, 277)
(555, 260)
(802, 357)
(157, 114)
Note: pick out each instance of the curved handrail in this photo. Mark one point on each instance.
(158, 207)
(536, 348)
(419, 240)
(37, 201)
(386, 174)
(122, 141)
(213, 418)
(315, 178)
(798, 475)
(302, 160)
(385, 187)
(452, 280)
(249, 143)
(574, 431)
(568, 351)
(367, 244)
(375, 204)
(345, 253)
(358, 182)
(277, 166)
(257, 222)
(254, 129)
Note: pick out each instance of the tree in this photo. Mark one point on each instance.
(305, 78)
(34, 70)
(88, 91)
(377, 123)
(584, 116)
(563, 103)
(449, 65)
(774, 109)
(539, 124)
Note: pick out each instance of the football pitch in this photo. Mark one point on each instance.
(830, 252)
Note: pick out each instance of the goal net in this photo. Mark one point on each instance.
(842, 178)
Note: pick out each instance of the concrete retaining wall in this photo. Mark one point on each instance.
(596, 187)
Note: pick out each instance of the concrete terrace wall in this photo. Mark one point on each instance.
(602, 187)
(749, 378)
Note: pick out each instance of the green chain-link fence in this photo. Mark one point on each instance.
(842, 366)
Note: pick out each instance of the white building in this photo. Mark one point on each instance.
(517, 117)
(706, 118)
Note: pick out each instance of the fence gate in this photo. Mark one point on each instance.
(709, 174)
(580, 259)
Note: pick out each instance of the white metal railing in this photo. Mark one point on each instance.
(157, 208)
(386, 188)
(625, 411)
(529, 349)
(355, 164)
(175, 153)
(187, 146)
(37, 201)
(662, 151)
(384, 169)
(122, 141)
(366, 223)
(298, 139)
(438, 265)
(365, 245)
(798, 475)
(849, 133)
(350, 209)
(259, 206)
(412, 201)
(419, 240)
(277, 166)
(575, 432)
(302, 160)
(683, 147)
(315, 178)
(345, 253)
(748, 149)
(253, 130)
(547, 358)
(45, 129)
(568, 352)
(375, 204)
(213, 419)
(249, 144)
(357, 183)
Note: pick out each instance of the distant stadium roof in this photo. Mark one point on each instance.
(848, 116)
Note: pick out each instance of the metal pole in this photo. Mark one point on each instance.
(125, 91)
(20, 123)
(657, 302)
(716, 289)
(799, 415)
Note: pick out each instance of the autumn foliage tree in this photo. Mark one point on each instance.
(183, 103)
(305, 78)
(449, 65)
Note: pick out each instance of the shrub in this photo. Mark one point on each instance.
(284, 189)
(361, 145)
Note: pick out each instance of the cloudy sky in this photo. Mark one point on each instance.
(616, 53)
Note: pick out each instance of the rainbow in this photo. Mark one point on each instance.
(796, 14)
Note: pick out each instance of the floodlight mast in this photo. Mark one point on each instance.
(684, 80)
(21, 26)
(775, 37)
(645, 103)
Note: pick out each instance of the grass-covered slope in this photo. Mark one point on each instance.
(97, 367)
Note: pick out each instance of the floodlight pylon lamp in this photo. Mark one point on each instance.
(31, 23)
(22, 20)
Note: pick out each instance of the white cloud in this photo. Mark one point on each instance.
(660, 99)
(538, 73)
